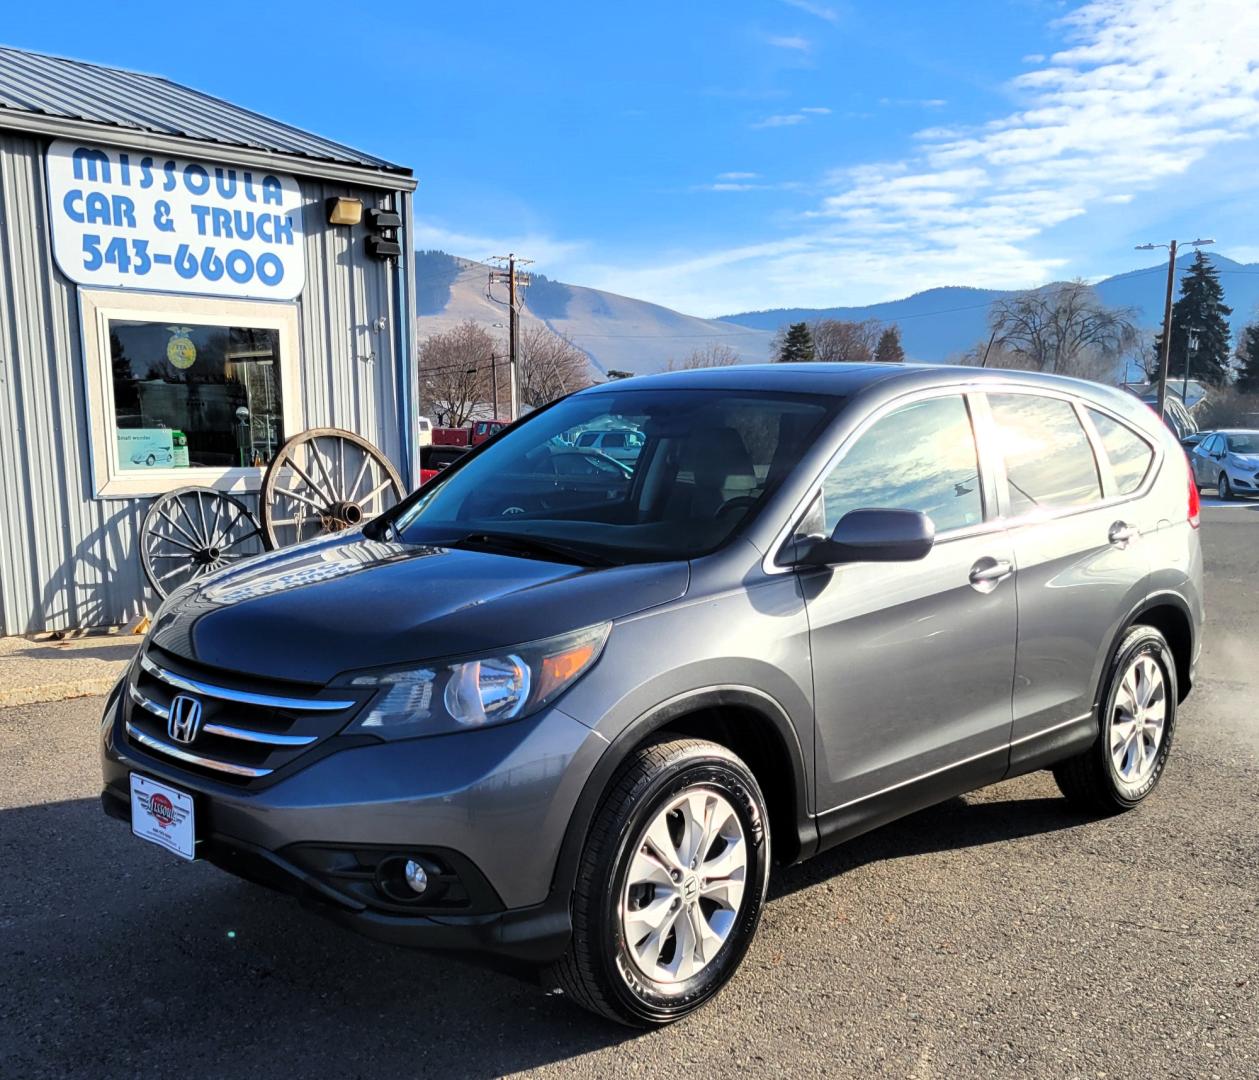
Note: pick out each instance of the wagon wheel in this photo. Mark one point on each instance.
(323, 481)
(192, 531)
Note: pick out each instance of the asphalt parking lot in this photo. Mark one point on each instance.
(999, 935)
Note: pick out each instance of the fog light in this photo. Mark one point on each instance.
(417, 879)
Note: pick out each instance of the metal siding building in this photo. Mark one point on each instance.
(69, 555)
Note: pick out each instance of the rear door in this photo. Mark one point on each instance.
(1076, 521)
(912, 661)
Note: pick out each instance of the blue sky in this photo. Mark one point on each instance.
(725, 156)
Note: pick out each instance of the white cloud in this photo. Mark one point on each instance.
(1142, 91)
(821, 11)
(800, 116)
(537, 246)
(738, 176)
(781, 120)
(794, 42)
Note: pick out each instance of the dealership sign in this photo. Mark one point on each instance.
(129, 219)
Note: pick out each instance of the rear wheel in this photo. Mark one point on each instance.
(671, 884)
(1223, 487)
(1138, 719)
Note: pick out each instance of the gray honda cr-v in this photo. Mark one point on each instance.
(568, 712)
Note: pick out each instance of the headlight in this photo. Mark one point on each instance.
(432, 699)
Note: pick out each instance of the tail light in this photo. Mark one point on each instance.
(1195, 504)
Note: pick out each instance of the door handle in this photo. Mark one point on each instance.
(988, 573)
(1121, 532)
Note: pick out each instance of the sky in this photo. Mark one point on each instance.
(739, 155)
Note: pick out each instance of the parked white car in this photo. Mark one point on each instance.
(621, 445)
(1228, 461)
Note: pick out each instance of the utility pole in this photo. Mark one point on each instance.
(515, 282)
(1164, 359)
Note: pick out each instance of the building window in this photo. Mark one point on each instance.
(187, 391)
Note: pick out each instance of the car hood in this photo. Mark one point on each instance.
(311, 612)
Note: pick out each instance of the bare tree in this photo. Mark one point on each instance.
(455, 373)
(714, 354)
(843, 341)
(548, 366)
(1064, 329)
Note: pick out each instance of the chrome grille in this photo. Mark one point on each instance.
(245, 734)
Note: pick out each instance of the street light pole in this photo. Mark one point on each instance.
(1165, 358)
(1164, 361)
(1191, 347)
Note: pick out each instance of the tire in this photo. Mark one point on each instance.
(609, 968)
(1109, 777)
(1223, 488)
(150, 460)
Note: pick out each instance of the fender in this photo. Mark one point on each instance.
(657, 718)
(1162, 598)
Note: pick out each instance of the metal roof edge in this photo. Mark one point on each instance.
(229, 153)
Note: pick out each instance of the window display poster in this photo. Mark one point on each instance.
(152, 448)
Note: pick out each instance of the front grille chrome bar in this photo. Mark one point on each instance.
(157, 745)
(241, 697)
(268, 738)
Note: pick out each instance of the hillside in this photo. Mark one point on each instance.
(618, 332)
(938, 323)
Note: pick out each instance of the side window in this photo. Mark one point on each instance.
(614, 441)
(921, 457)
(1130, 455)
(1048, 458)
(587, 438)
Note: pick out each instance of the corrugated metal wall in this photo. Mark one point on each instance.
(68, 560)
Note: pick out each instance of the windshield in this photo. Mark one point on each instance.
(690, 468)
(1244, 444)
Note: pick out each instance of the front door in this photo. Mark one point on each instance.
(913, 662)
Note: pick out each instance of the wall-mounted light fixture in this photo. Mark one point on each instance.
(383, 239)
(345, 211)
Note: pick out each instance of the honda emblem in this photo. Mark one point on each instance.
(184, 721)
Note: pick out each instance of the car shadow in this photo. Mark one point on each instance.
(194, 973)
(948, 826)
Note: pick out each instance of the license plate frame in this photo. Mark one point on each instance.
(164, 816)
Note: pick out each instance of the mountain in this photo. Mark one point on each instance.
(620, 333)
(938, 323)
(616, 332)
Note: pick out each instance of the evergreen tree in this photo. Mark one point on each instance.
(1248, 360)
(1201, 307)
(796, 345)
(889, 350)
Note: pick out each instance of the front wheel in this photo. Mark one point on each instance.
(1138, 719)
(671, 884)
(1223, 487)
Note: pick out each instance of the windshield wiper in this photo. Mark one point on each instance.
(535, 546)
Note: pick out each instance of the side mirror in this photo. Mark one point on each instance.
(875, 536)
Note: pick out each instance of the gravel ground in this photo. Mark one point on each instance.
(998, 935)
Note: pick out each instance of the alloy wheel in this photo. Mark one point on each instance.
(685, 886)
(1139, 720)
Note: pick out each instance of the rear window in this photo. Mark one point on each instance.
(1048, 458)
(1130, 455)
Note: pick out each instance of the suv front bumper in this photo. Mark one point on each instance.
(490, 806)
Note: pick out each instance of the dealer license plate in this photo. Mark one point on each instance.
(163, 816)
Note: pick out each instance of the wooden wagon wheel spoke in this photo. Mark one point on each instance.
(324, 459)
(179, 543)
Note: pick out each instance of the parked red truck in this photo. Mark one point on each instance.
(472, 435)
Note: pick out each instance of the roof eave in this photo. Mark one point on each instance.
(384, 178)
